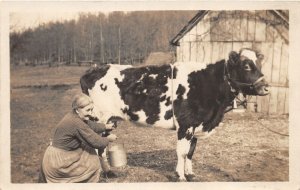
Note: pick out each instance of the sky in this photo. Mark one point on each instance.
(24, 20)
(19, 21)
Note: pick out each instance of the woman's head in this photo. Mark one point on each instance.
(83, 106)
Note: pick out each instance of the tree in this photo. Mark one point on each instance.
(98, 37)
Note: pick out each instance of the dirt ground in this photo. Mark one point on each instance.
(243, 149)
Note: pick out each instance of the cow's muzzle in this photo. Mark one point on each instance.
(261, 87)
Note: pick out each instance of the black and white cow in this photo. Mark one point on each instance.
(191, 96)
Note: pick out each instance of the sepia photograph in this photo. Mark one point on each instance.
(121, 96)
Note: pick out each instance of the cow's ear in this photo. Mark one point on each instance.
(233, 58)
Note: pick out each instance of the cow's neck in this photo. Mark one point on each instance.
(208, 97)
(210, 85)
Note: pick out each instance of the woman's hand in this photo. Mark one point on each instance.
(112, 137)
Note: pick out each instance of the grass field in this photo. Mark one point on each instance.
(242, 149)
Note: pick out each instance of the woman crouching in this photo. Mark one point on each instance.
(71, 156)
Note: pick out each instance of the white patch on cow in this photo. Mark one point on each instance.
(153, 76)
(162, 122)
(188, 168)
(182, 150)
(142, 116)
(249, 54)
(176, 123)
(198, 129)
(109, 101)
(142, 77)
(190, 130)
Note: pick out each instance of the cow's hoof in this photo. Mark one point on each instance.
(180, 179)
(189, 177)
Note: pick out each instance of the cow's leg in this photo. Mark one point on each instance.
(183, 147)
(188, 170)
(182, 150)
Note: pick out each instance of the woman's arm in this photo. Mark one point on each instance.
(88, 136)
(97, 127)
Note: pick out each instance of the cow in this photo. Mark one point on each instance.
(192, 97)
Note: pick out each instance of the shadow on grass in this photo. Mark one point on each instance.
(164, 162)
(161, 161)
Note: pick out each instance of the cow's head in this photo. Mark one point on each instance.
(244, 70)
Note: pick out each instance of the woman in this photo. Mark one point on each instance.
(71, 156)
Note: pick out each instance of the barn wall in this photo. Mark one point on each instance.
(220, 32)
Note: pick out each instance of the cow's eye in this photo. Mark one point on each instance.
(247, 67)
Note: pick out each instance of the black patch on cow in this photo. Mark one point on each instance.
(168, 101)
(180, 91)
(163, 98)
(132, 116)
(168, 114)
(88, 80)
(103, 87)
(192, 148)
(140, 91)
(207, 98)
(175, 70)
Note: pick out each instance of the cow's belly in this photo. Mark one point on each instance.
(161, 122)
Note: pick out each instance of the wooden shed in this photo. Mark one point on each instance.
(211, 35)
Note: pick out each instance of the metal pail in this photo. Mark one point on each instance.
(117, 155)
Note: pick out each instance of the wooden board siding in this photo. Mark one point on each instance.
(216, 24)
(236, 34)
(283, 72)
(275, 77)
(244, 25)
(220, 32)
(270, 28)
(203, 30)
(227, 49)
(237, 46)
(273, 100)
(283, 80)
(276, 62)
(280, 100)
(251, 26)
(186, 51)
(260, 26)
(192, 35)
(200, 52)
(229, 28)
(193, 51)
(267, 49)
(208, 49)
(215, 52)
(179, 51)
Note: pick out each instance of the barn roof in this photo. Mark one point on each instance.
(280, 14)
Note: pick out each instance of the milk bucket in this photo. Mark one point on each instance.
(117, 155)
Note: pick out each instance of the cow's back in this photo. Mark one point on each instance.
(142, 94)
